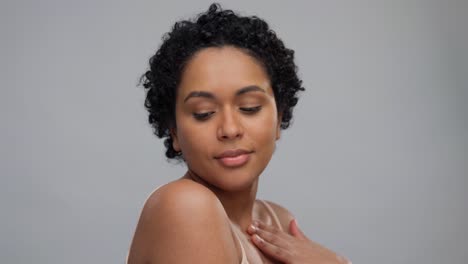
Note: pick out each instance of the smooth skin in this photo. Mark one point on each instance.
(224, 102)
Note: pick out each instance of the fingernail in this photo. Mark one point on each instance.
(257, 238)
(295, 221)
(253, 228)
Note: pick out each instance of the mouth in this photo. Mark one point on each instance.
(234, 157)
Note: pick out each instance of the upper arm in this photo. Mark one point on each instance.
(183, 222)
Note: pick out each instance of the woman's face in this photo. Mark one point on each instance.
(227, 122)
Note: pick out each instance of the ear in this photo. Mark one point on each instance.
(278, 127)
(175, 139)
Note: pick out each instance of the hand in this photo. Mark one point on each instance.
(291, 248)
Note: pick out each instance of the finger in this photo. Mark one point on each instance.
(277, 239)
(258, 225)
(272, 250)
(295, 231)
(262, 225)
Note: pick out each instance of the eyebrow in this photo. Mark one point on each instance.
(250, 88)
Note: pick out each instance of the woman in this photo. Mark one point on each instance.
(219, 90)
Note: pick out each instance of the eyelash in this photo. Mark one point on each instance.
(202, 116)
(251, 110)
(246, 110)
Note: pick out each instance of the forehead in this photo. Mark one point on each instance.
(222, 70)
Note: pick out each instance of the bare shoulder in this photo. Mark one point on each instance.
(183, 222)
(284, 215)
(185, 193)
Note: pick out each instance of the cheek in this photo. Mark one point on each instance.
(193, 139)
(264, 130)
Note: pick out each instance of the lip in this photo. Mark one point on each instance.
(234, 157)
(232, 153)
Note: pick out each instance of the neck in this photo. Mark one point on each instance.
(237, 204)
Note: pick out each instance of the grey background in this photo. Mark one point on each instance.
(374, 166)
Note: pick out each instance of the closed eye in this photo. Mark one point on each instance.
(251, 110)
(202, 116)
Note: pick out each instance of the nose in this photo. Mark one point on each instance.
(230, 126)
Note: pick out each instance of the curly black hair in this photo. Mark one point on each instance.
(216, 28)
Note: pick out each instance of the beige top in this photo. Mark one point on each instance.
(236, 230)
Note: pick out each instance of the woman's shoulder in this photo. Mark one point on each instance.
(283, 214)
(184, 202)
(173, 217)
(181, 192)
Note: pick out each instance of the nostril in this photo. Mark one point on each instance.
(229, 126)
(230, 133)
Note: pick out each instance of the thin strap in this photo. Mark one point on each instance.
(272, 213)
(244, 256)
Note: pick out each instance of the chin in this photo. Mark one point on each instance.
(240, 180)
(233, 181)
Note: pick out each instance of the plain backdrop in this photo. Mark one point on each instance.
(374, 165)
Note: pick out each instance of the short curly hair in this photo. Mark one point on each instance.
(216, 28)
